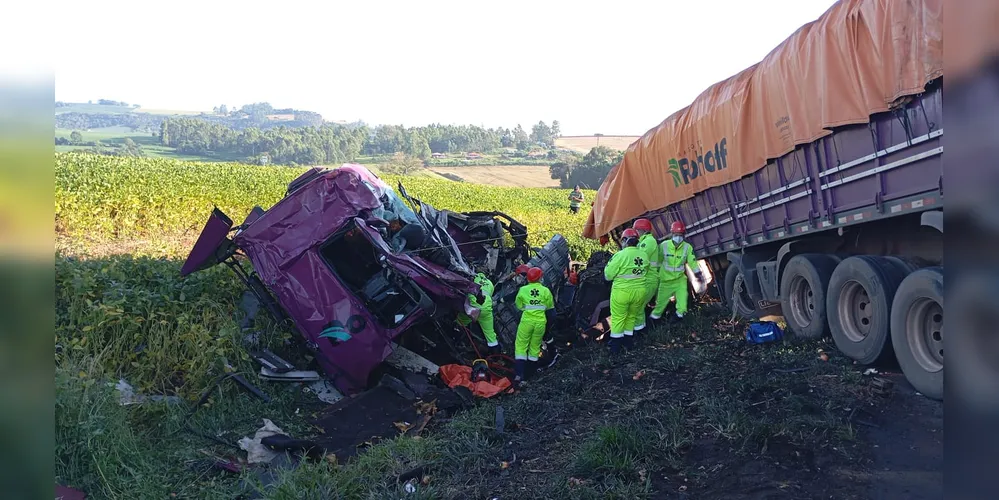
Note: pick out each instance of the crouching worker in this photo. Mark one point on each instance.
(677, 254)
(485, 307)
(626, 269)
(534, 300)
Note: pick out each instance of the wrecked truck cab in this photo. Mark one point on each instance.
(320, 259)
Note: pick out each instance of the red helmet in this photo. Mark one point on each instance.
(523, 268)
(678, 228)
(643, 225)
(629, 237)
(534, 274)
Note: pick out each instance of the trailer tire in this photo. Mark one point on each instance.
(739, 306)
(859, 305)
(917, 330)
(803, 289)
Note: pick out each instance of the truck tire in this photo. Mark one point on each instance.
(917, 330)
(903, 264)
(803, 287)
(859, 305)
(742, 305)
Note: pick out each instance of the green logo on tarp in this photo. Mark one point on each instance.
(685, 169)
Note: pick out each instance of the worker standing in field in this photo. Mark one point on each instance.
(485, 307)
(677, 254)
(575, 199)
(535, 300)
(627, 270)
(650, 247)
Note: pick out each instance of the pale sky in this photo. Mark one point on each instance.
(616, 68)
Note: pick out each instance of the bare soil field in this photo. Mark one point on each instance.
(585, 143)
(509, 176)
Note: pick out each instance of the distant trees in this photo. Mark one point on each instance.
(542, 134)
(520, 139)
(75, 137)
(86, 121)
(329, 143)
(588, 172)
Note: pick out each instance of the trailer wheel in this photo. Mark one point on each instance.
(742, 304)
(917, 330)
(859, 305)
(803, 294)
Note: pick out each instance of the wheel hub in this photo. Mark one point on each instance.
(802, 301)
(855, 311)
(924, 329)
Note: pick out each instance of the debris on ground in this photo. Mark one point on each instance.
(460, 375)
(128, 396)
(257, 452)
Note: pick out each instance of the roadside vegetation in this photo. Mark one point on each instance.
(694, 409)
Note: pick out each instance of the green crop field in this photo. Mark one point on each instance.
(679, 413)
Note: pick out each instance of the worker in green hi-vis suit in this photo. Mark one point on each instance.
(647, 244)
(677, 254)
(485, 312)
(626, 269)
(535, 300)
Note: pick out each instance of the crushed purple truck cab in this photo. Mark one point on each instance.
(335, 258)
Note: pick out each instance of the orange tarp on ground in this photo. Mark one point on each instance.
(854, 61)
(455, 375)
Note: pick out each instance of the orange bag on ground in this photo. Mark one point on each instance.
(455, 375)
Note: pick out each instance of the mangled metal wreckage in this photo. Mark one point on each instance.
(360, 270)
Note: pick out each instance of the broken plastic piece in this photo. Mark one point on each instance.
(292, 376)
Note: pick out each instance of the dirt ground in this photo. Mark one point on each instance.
(696, 412)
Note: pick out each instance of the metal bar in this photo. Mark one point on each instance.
(889, 166)
(778, 202)
(892, 149)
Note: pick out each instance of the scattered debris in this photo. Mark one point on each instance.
(870, 371)
(128, 395)
(882, 386)
(256, 452)
(272, 362)
(289, 376)
(325, 391)
(460, 375)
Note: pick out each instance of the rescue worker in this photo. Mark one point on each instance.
(650, 247)
(535, 300)
(485, 307)
(520, 275)
(626, 269)
(575, 198)
(677, 254)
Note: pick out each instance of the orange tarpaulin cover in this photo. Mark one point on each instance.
(455, 375)
(854, 61)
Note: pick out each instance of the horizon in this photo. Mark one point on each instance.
(449, 70)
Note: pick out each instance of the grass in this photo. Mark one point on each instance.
(515, 176)
(150, 144)
(694, 408)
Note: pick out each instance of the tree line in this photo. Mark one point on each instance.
(587, 172)
(334, 143)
